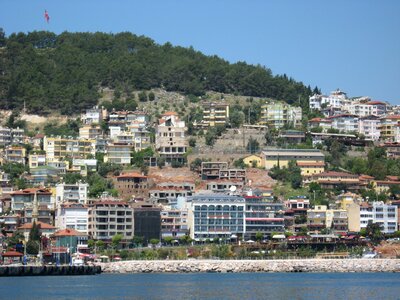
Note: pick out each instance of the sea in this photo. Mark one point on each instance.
(205, 286)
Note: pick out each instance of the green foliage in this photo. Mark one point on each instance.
(72, 178)
(192, 142)
(14, 120)
(253, 146)
(15, 170)
(32, 247)
(259, 236)
(154, 241)
(70, 128)
(142, 96)
(34, 234)
(291, 174)
(108, 168)
(98, 185)
(137, 240)
(116, 240)
(138, 157)
(374, 232)
(100, 245)
(196, 164)
(239, 163)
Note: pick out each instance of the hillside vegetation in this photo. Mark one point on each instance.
(68, 72)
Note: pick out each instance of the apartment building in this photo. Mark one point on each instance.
(216, 216)
(15, 154)
(383, 214)
(58, 148)
(131, 185)
(345, 123)
(90, 132)
(220, 171)
(108, 218)
(215, 114)
(321, 217)
(368, 108)
(94, 115)
(336, 100)
(25, 198)
(323, 123)
(174, 223)
(390, 128)
(279, 114)
(262, 215)
(72, 215)
(36, 160)
(72, 193)
(10, 136)
(147, 220)
(118, 154)
(171, 141)
(369, 126)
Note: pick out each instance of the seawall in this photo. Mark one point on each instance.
(48, 270)
(237, 266)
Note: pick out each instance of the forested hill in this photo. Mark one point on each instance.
(65, 72)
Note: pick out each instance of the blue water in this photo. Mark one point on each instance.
(206, 286)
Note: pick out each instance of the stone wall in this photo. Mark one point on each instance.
(236, 266)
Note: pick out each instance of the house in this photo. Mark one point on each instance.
(311, 168)
(15, 154)
(72, 239)
(345, 123)
(332, 179)
(45, 229)
(254, 160)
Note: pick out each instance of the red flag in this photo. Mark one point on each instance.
(46, 16)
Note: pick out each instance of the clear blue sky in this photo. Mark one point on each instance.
(353, 45)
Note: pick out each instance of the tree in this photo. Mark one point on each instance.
(137, 240)
(374, 232)
(100, 245)
(152, 97)
(192, 142)
(154, 242)
(116, 240)
(142, 96)
(236, 118)
(253, 145)
(161, 162)
(168, 240)
(259, 236)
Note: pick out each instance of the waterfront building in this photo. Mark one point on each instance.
(264, 216)
(282, 157)
(383, 214)
(174, 223)
(108, 218)
(72, 215)
(45, 229)
(147, 222)
(73, 240)
(320, 218)
(216, 216)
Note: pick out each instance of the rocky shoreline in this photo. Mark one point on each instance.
(239, 266)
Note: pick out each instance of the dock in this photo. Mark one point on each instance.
(48, 270)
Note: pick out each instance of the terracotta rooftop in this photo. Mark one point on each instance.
(42, 226)
(28, 191)
(334, 174)
(132, 175)
(68, 232)
(170, 113)
(310, 164)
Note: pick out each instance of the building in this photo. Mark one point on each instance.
(345, 123)
(174, 223)
(75, 193)
(292, 136)
(58, 148)
(224, 185)
(216, 216)
(363, 109)
(219, 170)
(334, 102)
(282, 157)
(332, 180)
(131, 185)
(392, 149)
(323, 123)
(321, 218)
(94, 115)
(254, 160)
(163, 195)
(37, 160)
(43, 214)
(262, 215)
(311, 168)
(73, 216)
(390, 128)
(45, 229)
(171, 141)
(118, 154)
(298, 206)
(70, 238)
(215, 114)
(9, 136)
(147, 222)
(84, 166)
(90, 131)
(10, 223)
(279, 114)
(369, 126)
(15, 154)
(25, 198)
(383, 214)
(109, 218)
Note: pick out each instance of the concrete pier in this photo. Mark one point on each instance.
(48, 270)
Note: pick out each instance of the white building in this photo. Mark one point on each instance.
(93, 115)
(363, 109)
(75, 193)
(345, 123)
(72, 215)
(336, 100)
(380, 213)
(369, 126)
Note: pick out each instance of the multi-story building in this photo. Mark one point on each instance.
(72, 215)
(298, 206)
(44, 215)
(73, 193)
(171, 141)
(216, 216)
(369, 127)
(224, 185)
(15, 154)
(123, 119)
(219, 170)
(383, 214)
(392, 149)
(118, 154)
(282, 157)
(279, 114)
(163, 195)
(25, 198)
(108, 218)
(90, 132)
(390, 128)
(323, 123)
(331, 179)
(174, 223)
(321, 217)
(10, 223)
(363, 109)
(311, 168)
(262, 215)
(131, 185)
(58, 148)
(215, 114)
(84, 166)
(37, 160)
(147, 220)
(335, 101)
(345, 123)
(94, 115)
(10, 136)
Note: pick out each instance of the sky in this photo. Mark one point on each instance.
(353, 45)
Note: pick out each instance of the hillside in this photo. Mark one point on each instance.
(70, 72)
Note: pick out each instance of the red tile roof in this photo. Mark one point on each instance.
(42, 226)
(68, 232)
(310, 164)
(132, 175)
(170, 113)
(12, 254)
(375, 103)
(32, 191)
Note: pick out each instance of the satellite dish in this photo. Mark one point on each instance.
(232, 188)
